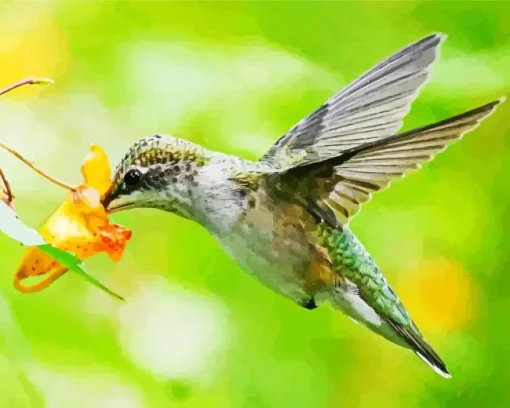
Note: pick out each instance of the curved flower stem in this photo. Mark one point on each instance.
(26, 81)
(49, 278)
(40, 172)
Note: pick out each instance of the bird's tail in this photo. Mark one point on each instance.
(415, 341)
(364, 295)
(407, 336)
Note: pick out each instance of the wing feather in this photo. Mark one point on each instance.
(346, 181)
(370, 108)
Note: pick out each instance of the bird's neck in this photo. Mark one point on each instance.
(197, 186)
(215, 200)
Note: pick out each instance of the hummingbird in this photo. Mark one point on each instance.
(285, 218)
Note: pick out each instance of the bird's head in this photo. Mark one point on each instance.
(157, 172)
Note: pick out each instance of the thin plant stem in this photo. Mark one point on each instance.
(26, 81)
(40, 172)
(29, 81)
(7, 190)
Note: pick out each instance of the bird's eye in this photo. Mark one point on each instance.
(132, 177)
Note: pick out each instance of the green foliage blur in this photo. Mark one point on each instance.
(196, 331)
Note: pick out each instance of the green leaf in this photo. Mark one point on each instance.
(75, 265)
(12, 226)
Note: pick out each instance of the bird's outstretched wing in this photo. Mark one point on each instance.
(341, 183)
(368, 109)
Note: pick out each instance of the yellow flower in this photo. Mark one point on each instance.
(80, 226)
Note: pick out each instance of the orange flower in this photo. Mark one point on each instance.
(79, 226)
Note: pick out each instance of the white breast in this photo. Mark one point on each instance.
(221, 209)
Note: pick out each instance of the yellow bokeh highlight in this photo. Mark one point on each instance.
(35, 49)
(441, 296)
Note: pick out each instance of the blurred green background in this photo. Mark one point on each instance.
(196, 331)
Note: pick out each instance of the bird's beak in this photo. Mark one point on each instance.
(115, 204)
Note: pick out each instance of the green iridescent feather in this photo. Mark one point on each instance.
(351, 261)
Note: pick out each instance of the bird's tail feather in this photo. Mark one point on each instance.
(417, 343)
